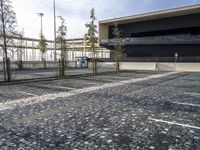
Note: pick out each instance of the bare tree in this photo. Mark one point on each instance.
(62, 44)
(7, 26)
(92, 39)
(118, 46)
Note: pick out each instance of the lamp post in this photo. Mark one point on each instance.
(54, 8)
(41, 15)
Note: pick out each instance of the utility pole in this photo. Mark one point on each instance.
(54, 8)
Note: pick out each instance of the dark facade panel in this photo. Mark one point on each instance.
(181, 23)
(162, 50)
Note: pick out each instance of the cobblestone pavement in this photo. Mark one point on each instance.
(129, 110)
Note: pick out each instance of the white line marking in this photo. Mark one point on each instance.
(27, 93)
(174, 123)
(50, 97)
(187, 104)
(192, 94)
(64, 87)
(61, 87)
(43, 73)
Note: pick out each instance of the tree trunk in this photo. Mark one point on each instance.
(62, 67)
(8, 74)
(20, 64)
(4, 69)
(94, 66)
(45, 64)
(117, 66)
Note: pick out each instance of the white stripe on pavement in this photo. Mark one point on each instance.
(50, 97)
(174, 123)
(186, 104)
(57, 87)
(192, 94)
(31, 94)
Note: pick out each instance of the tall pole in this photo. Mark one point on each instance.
(54, 8)
(41, 15)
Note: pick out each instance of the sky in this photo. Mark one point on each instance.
(77, 12)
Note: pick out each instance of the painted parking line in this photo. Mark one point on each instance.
(50, 97)
(43, 73)
(46, 86)
(27, 93)
(192, 94)
(174, 123)
(186, 104)
(59, 87)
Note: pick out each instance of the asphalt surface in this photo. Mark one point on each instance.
(128, 110)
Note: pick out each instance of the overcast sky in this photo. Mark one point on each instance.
(76, 12)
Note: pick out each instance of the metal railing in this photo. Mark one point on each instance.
(157, 59)
(169, 39)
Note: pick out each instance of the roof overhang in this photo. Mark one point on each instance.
(188, 10)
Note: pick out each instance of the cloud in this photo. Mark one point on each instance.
(76, 12)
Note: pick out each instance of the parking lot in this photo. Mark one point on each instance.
(127, 110)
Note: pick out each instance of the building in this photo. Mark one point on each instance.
(158, 34)
(27, 49)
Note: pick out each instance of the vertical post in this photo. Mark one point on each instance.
(54, 8)
(41, 15)
(176, 57)
(26, 54)
(33, 53)
(73, 51)
(84, 47)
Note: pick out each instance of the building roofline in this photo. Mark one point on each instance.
(186, 10)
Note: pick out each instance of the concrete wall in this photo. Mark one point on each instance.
(138, 66)
(190, 67)
(105, 66)
(187, 67)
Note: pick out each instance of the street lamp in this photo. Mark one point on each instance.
(54, 8)
(41, 15)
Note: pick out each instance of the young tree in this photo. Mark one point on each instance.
(118, 46)
(92, 39)
(7, 28)
(43, 47)
(20, 48)
(62, 44)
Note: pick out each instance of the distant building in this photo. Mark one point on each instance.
(157, 34)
